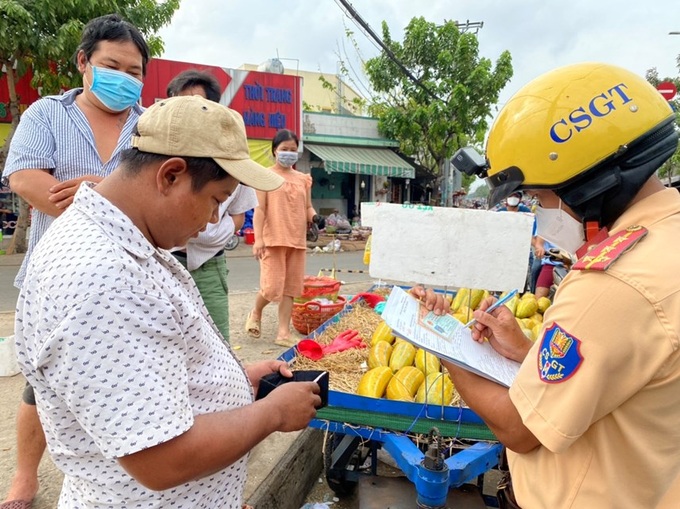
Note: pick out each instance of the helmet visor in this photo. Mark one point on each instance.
(503, 184)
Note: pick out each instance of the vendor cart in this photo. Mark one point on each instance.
(444, 451)
(440, 449)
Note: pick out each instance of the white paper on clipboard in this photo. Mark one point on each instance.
(401, 314)
(461, 248)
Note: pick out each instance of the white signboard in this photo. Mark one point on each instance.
(461, 248)
(368, 212)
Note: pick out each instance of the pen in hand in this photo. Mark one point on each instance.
(495, 305)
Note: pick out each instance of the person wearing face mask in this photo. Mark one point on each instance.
(280, 224)
(513, 203)
(142, 402)
(61, 142)
(591, 419)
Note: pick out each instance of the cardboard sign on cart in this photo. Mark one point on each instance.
(461, 248)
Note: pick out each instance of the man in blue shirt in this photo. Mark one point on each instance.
(61, 142)
(513, 203)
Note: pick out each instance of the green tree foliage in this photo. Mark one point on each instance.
(42, 35)
(452, 105)
(671, 167)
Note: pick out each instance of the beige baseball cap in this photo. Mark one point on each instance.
(192, 126)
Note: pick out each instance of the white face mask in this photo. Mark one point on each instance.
(559, 228)
(512, 201)
(286, 159)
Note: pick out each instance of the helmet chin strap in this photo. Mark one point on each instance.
(587, 199)
(592, 220)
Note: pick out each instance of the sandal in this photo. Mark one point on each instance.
(17, 504)
(253, 326)
(287, 342)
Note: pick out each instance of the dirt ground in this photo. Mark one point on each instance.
(50, 478)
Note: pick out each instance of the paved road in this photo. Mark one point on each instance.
(244, 272)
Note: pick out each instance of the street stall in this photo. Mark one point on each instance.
(391, 393)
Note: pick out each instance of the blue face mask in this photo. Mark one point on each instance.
(115, 89)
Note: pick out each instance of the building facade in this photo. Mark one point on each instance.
(349, 161)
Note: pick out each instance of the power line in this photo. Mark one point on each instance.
(352, 13)
(369, 31)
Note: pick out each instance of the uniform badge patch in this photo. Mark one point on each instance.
(559, 356)
(607, 252)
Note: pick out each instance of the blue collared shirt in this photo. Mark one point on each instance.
(54, 135)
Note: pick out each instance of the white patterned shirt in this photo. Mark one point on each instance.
(54, 135)
(209, 242)
(113, 336)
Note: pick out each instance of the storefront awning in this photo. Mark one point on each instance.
(365, 161)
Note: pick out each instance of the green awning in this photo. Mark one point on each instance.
(366, 161)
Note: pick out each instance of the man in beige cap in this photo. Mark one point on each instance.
(142, 404)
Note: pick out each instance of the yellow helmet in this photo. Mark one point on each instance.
(569, 121)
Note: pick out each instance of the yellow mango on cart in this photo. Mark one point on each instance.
(437, 389)
(403, 354)
(427, 362)
(537, 317)
(466, 313)
(526, 307)
(543, 304)
(512, 305)
(382, 333)
(374, 382)
(462, 297)
(404, 384)
(379, 354)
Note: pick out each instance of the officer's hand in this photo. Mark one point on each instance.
(434, 302)
(502, 331)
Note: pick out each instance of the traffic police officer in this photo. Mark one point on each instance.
(592, 418)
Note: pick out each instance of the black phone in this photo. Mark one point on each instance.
(271, 381)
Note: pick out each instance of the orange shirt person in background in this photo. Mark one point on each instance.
(280, 223)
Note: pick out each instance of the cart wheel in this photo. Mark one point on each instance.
(232, 242)
(341, 451)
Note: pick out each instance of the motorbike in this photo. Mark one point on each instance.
(312, 232)
(559, 271)
(233, 241)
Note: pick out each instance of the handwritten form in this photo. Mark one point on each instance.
(402, 314)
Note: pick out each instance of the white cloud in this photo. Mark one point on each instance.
(539, 34)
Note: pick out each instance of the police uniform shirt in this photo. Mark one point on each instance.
(600, 387)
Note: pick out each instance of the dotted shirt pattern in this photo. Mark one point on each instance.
(54, 135)
(122, 354)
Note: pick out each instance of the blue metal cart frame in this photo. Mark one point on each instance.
(433, 475)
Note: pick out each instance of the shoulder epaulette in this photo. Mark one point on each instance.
(603, 255)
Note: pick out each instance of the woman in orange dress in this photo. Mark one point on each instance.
(280, 224)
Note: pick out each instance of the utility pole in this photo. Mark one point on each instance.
(340, 92)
